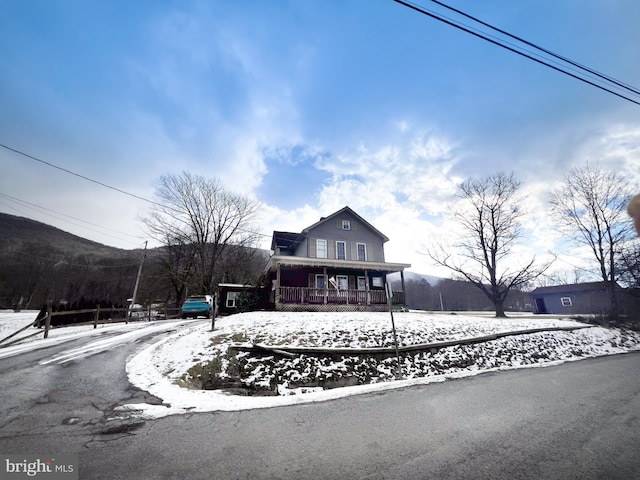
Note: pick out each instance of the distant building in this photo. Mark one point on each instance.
(234, 298)
(582, 298)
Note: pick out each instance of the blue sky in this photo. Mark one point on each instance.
(306, 106)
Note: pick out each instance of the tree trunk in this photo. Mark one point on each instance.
(500, 309)
(614, 307)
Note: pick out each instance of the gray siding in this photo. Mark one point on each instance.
(332, 231)
(589, 302)
(302, 249)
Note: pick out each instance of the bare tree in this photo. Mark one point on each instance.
(177, 266)
(491, 224)
(590, 206)
(196, 219)
(563, 277)
(628, 265)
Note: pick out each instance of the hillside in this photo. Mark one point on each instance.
(41, 263)
(18, 232)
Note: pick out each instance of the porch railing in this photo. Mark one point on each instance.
(304, 295)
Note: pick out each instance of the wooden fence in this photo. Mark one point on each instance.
(128, 315)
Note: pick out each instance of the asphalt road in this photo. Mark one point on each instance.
(578, 420)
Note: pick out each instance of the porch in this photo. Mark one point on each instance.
(302, 295)
(331, 285)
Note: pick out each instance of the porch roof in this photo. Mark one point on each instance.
(291, 261)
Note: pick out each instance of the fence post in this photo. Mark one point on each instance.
(47, 322)
(96, 317)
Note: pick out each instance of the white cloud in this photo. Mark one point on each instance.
(415, 173)
(399, 188)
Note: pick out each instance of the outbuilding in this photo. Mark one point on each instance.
(578, 298)
(235, 297)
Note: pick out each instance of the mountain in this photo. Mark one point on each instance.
(433, 280)
(416, 277)
(40, 263)
(18, 232)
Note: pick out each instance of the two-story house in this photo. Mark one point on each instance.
(335, 264)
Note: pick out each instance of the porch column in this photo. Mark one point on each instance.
(366, 286)
(404, 295)
(326, 284)
(277, 285)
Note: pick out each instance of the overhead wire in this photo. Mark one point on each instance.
(542, 49)
(40, 207)
(81, 176)
(119, 190)
(546, 62)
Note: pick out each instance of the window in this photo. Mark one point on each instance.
(341, 250)
(346, 225)
(320, 281)
(377, 282)
(566, 301)
(343, 282)
(362, 283)
(232, 298)
(362, 252)
(321, 248)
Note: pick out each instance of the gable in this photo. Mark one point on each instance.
(344, 221)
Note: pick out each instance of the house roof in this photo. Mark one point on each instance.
(285, 260)
(285, 240)
(350, 211)
(572, 288)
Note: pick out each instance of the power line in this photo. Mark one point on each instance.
(537, 47)
(483, 36)
(35, 206)
(164, 208)
(82, 176)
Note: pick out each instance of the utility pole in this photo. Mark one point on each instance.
(135, 289)
(389, 292)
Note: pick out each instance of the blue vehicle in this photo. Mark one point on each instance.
(197, 305)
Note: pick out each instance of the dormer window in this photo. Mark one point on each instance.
(346, 225)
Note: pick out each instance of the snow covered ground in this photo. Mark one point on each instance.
(163, 368)
(26, 340)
